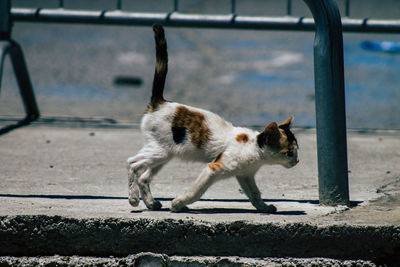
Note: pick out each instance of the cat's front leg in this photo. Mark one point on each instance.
(202, 183)
(250, 188)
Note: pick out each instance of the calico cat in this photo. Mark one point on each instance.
(172, 129)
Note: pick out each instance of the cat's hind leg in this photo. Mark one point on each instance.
(250, 188)
(133, 187)
(134, 194)
(142, 168)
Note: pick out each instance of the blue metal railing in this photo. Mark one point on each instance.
(175, 18)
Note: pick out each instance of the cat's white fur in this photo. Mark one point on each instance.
(228, 151)
(240, 159)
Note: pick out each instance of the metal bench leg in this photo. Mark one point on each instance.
(24, 83)
(8, 46)
(4, 50)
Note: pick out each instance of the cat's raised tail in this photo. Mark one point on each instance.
(161, 70)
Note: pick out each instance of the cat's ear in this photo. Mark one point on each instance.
(286, 123)
(270, 136)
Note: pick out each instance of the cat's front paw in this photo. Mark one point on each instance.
(267, 208)
(134, 201)
(178, 206)
(156, 205)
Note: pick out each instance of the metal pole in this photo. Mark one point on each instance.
(330, 103)
(5, 22)
(176, 5)
(119, 5)
(289, 7)
(347, 8)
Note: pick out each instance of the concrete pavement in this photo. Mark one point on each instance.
(63, 171)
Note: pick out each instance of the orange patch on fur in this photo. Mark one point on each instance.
(161, 66)
(194, 122)
(284, 143)
(286, 123)
(149, 109)
(242, 138)
(216, 165)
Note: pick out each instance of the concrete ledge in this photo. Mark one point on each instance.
(50, 235)
(151, 259)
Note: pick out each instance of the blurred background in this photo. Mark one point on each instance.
(248, 77)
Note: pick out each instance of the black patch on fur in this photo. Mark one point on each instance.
(218, 157)
(178, 134)
(290, 136)
(161, 69)
(261, 140)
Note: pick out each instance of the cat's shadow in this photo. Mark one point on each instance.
(238, 211)
(226, 211)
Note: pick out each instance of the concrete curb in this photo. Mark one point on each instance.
(151, 259)
(51, 235)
